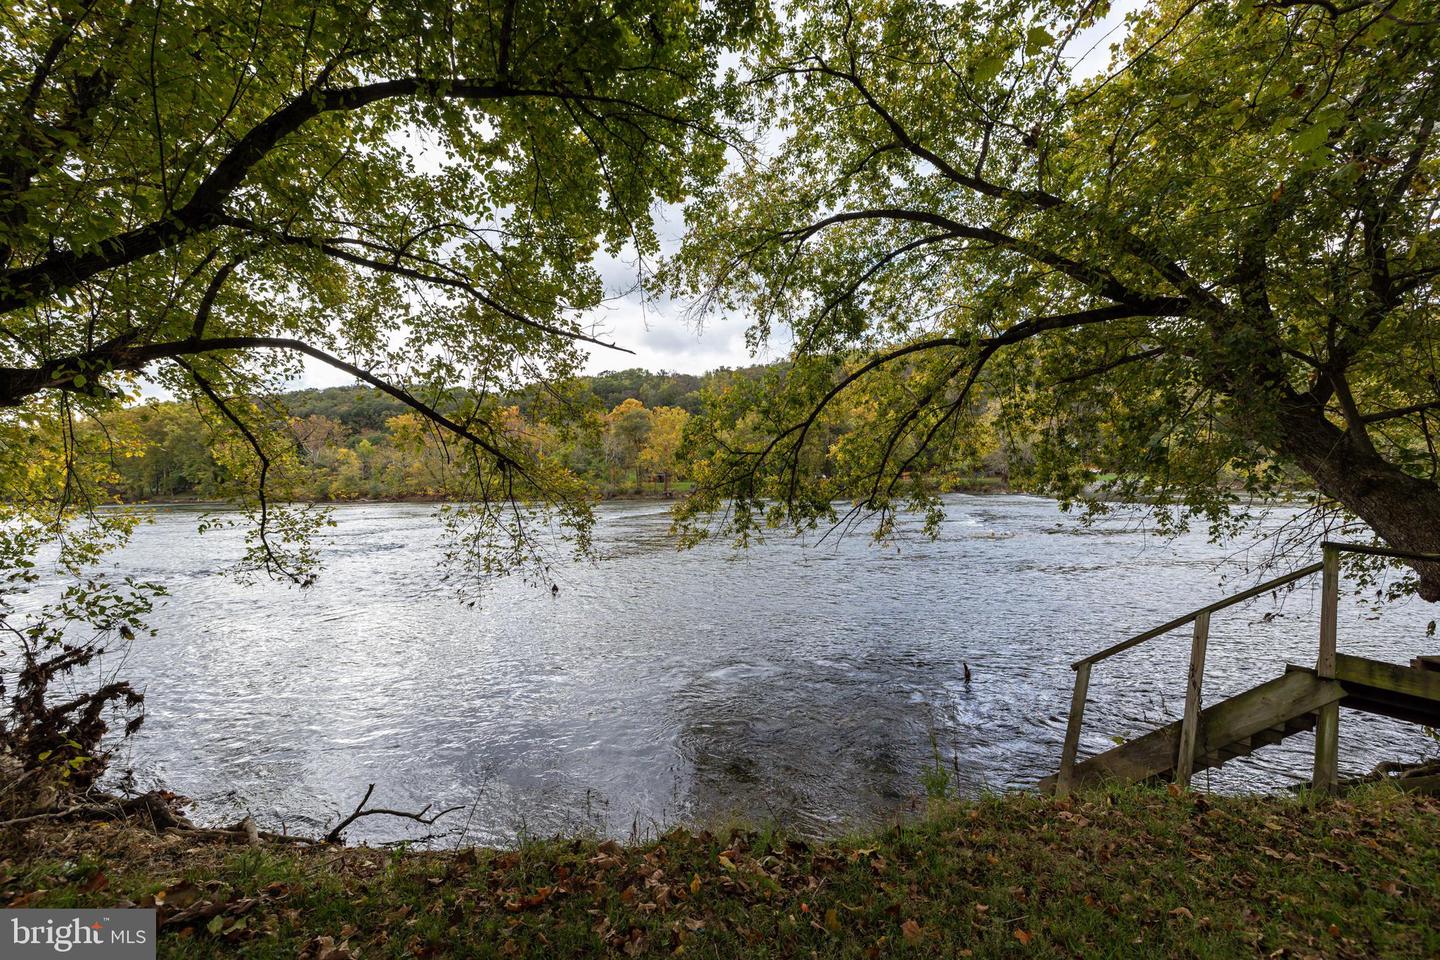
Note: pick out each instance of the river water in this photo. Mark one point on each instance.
(809, 685)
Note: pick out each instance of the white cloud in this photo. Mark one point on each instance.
(664, 339)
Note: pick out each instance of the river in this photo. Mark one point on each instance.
(808, 685)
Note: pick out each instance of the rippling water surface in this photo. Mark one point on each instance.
(806, 685)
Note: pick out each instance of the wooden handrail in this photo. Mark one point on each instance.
(1327, 718)
(1164, 628)
(1379, 551)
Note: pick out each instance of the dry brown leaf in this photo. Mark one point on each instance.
(325, 948)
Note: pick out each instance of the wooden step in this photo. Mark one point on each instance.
(1273, 735)
(1232, 728)
(1388, 689)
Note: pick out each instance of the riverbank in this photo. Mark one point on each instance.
(602, 496)
(649, 491)
(1133, 872)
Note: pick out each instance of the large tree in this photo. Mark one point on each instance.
(412, 192)
(205, 194)
(1191, 278)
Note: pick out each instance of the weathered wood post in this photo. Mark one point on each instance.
(1065, 779)
(1189, 727)
(1327, 719)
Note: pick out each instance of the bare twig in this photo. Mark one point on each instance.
(334, 835)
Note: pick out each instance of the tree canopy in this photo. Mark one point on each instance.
(412, 192)
(1176, 280)
(1184, 279)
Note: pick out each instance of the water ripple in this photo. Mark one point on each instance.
(808, 686)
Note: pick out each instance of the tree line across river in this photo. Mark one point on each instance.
(357, 443)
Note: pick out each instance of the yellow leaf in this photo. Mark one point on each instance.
(1023, 935)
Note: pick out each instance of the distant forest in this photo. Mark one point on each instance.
(356, 443)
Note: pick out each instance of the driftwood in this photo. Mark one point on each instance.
(1422, 777)
(157, 811)
(154, 807)
(419, 817)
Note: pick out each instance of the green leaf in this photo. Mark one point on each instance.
(1037, 39)
(1311, 138)
(987, 68)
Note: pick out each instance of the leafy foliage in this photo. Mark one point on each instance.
(1179, 281)
(412, 193)
(54, 732)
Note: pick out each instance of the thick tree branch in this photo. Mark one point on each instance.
(203, 212)
(1095, 279)
(207, 299)
(1401, 412)
(987, 347)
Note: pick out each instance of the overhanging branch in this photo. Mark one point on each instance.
(64, 269)
(335, 247)
(986, 347)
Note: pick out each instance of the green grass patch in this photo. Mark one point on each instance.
(1119, 873)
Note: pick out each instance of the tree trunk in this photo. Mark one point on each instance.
(1402, 509)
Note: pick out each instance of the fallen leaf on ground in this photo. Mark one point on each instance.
(325, 948)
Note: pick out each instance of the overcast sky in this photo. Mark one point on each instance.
(661, 335)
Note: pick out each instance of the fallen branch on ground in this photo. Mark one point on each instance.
(153, 806)
(334, 835)
(157, 810)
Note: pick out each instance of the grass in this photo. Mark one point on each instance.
(1123, 873)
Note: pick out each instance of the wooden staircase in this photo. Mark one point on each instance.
(1237, 727)
(1301, 699)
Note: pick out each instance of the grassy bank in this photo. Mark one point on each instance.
(1131, 873)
